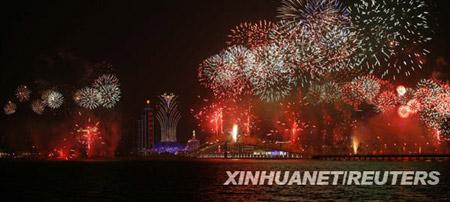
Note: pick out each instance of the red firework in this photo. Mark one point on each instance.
(217, 118)
(251, 34)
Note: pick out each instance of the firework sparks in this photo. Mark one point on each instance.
(271, 78)
(289, 123)
(38, 106)
(404, 111)
(109, 95)
(106, 79)
(320, 36)
(223, 73)
(9, 108)
(362, 89)
(401, 90)
(88, 135)
(444, 129)
(327, 93)
(252, 35)
(355, 144)
(215, 117)
(88, 98)
(393, 35)
(414, 106)
(210, 118)
(234, 133)
(23, 93)
(54, 99)
(434, 98)
(367, 86)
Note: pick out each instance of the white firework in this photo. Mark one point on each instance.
(224, 72)
(106, 79)
(109, 95)
(271, 78)
(88, 98)
(394, 35)
(54, 99)
(10, 108)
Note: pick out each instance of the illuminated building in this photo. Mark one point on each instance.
(168, 117)
(146, 129)
(192, 144)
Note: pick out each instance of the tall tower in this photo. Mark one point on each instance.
(146, 129)
(168, 117)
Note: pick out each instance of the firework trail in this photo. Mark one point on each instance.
(10, 108)
(216, 117)
(87, 133)
(393, 35)
(210, 117)
(444, 130)
(290, 124)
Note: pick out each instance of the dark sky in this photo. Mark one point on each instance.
(154, 46)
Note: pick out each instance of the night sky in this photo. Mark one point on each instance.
(154, 46)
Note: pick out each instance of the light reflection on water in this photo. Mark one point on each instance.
(202, 181)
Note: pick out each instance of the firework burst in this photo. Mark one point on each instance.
(23, 93)
(320, 36)
(54, 99)
(106, 79)
(444, 129)
(393, 35)
(434, 98)
(311, 15)
(362, 89)
(88, 98)
(271, 78)
(38, 106)
(252, 35)
(327, 93)
(87, 133)
(414, 106)
(367, 86)
(10, 108)
(386, 101)
(224, 73)
(109, 95)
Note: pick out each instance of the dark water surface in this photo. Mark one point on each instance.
(200, 180)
